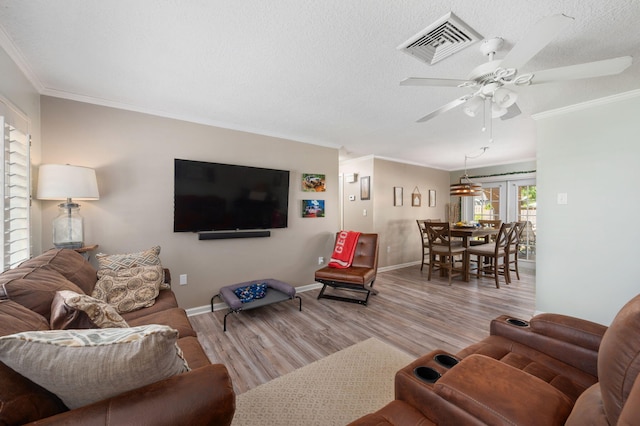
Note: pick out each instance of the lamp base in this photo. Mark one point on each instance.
(68, 227)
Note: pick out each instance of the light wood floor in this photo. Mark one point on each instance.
(410, 313)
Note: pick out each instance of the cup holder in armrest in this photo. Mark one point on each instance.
(445, 360)
(518, 322)
(426, 374)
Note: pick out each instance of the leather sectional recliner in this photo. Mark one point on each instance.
(552, 370)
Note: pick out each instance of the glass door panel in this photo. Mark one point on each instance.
(524, 209)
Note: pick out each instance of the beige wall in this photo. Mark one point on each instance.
(396, 225)
(133, 156)
(399, 236)
(353, 210)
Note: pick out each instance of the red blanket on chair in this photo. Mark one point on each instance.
(344, 250)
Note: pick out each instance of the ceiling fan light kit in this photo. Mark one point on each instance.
(504, 97)
(473, 106)
(490, 78)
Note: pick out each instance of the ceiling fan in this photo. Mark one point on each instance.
(493, 81)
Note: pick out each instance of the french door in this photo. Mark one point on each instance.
(509, 201)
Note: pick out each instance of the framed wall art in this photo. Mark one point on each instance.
(432, 198)
(365, 188)
(313, 182)
(416, 197)
(312, 208)
(397, 195)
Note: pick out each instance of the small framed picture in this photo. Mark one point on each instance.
(365, 188)
(312, 208)
(416, 198)
(313, 182)
(397, 195)
(432, 198)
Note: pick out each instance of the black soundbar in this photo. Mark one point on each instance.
(232, 234)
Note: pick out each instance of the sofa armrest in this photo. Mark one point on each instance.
(571, 340)
(201, 396)
(497, 393)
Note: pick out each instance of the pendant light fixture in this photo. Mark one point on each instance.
(465, 187)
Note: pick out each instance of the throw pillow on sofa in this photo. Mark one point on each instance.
(119, 263)
(73, 310)
(68, 263)
(21, 400)
(85, 366)
(35, 288)
(131, 289)
(116, 262)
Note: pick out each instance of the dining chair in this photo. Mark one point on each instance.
(514, 248)
(490, 224)
(442, 251)
(424, 242)
(494, 253)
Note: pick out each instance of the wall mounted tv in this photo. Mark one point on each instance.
(224, 197)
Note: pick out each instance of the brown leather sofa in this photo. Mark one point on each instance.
(202, 396)
(552, 370)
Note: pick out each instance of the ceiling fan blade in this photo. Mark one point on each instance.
(445, 108)
(512, 111)
(447, 82)
(586, 70)
(542, 33)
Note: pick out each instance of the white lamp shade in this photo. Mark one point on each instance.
(497, 111)
(472, 106)
(63, 181)
(505, 97)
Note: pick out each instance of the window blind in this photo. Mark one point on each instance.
(16, 188)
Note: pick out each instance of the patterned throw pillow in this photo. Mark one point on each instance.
(251, 292)
(122, 262)
(131, 289)
(85, 366)
(116, 262)
(73, 310)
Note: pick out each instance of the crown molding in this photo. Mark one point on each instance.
(18, 58)
(586, 105)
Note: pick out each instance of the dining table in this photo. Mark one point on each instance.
(468, 232)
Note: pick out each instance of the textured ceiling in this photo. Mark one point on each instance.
(322, 72)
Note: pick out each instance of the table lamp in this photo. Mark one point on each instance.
(66, 182)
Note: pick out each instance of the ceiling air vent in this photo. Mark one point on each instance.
(441, 39)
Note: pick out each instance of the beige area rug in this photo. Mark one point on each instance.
(332, 391)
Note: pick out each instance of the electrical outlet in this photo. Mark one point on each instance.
(183, 279)
(321, 260)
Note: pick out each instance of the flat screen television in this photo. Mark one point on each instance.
(223, 197)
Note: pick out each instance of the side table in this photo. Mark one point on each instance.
(85, 251)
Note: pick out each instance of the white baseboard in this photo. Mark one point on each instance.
(399, 266)
(221, 305)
